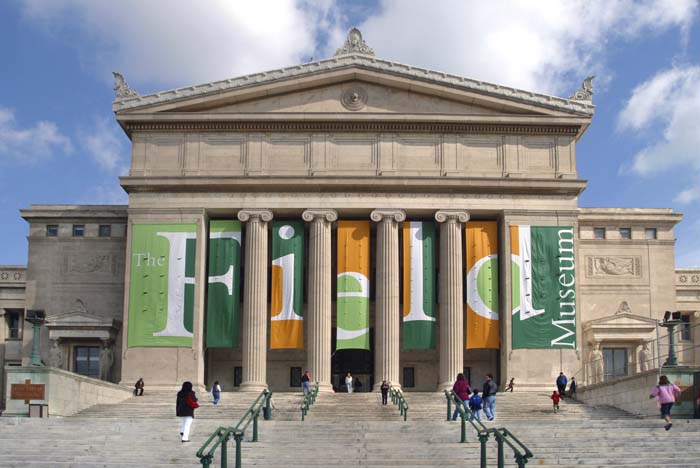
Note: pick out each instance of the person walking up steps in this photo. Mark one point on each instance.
(572, 388)
(461, 389)
(475, 404)
(216, 392)
(666, 394)
(555, 400)
(510, 386)
(489, 395)
(306, 382)
(184, 408)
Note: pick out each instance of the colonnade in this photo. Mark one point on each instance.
(318, 314)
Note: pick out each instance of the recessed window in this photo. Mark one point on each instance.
(52, 230)
(237, 376)
(13, 318)
(409, 377)
(87, 361)
(650, 233)
(599, 233)
(625, 233)
(686, 334)
(105, 230)
(295, 376)
(78, 230)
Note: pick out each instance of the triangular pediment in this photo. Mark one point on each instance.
(623, 321)
(351, 85)
(79, 319)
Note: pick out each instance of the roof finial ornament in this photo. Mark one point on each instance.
(121, 88)
(354, 44)
(585, 92)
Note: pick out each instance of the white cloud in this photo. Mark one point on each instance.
(30, 144)
(547, 46)
(105, 144)
(108, 193)
(180, 42)
(670, 100)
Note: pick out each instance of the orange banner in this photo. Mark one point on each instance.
(482, 325)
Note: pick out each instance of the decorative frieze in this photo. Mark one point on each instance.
(613, 266)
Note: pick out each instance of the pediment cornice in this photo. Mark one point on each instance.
(353, 65)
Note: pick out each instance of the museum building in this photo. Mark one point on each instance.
(345, 215)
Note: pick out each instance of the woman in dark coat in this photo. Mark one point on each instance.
(461, 389)
(184, 408)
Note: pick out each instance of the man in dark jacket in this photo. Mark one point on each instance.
(488, 394)
(561, 384)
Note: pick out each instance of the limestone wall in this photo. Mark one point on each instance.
(66, 393)
(631, 394)
(366, 154)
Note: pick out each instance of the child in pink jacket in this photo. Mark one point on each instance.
(666, 394)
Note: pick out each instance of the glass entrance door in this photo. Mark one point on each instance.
(615, 361)
(359, 362)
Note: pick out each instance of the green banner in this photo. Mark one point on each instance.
(418, 285)
(161, 285)
(287, 321)
(544, 287)
(223, 288)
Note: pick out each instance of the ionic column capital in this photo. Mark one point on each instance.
(379, 215)
(263, 215)
(312, 215)
(451, 216)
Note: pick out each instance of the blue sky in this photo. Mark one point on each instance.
(59, 142)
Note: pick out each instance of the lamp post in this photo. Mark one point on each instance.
(671, 319)
(37, 318)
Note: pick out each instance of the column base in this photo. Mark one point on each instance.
(444, 386)
(325, 387)
(252, 387)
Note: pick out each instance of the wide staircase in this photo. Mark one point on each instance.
(346, 430)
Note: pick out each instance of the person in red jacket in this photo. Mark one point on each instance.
(555, 400)
(184, 408)
(461, 389)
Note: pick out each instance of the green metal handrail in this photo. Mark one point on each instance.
(309, 400)
(502, 434)
(397, 399)
(222, 434)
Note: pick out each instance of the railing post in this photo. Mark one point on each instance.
(449, 407)
(521, 460)
(224, 452)
(483, 437)
(255, 427)
(463, 431)
(238, 437)
(267, 414)
(501, 458)
(405, 413)
(206, 461)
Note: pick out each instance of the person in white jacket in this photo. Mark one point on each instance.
(348, 382)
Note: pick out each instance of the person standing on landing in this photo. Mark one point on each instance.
(385, 391)
(489, 396)
(572, 388)
(216, 392)
(184, 408)
(348, 382)
(561, 384)
(461, 389)
(666, 394)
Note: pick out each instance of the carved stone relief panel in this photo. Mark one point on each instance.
(353, 153)
(482, 155)
(539, 153)
(288, 154)
(222, 154)
(419, 155)
(90, 267)
(617, 266)
(165, 154)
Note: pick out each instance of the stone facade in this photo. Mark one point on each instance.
(351, 138)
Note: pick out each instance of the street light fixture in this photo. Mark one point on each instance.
(671, 319)
(37, 318)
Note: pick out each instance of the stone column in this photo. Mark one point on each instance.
(451, 313)
(318, 315)
(254, 332)
(386, 332)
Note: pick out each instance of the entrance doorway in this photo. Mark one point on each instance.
(359, 362)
